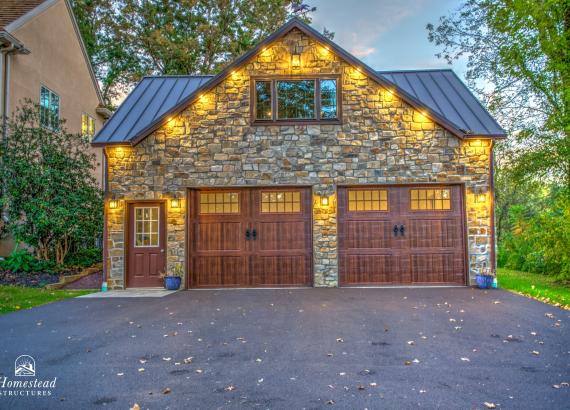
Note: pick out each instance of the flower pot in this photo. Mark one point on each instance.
(172, 282)
(484, 281)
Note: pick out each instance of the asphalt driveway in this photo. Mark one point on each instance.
(450, 348)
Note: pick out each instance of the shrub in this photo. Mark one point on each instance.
(84, 257)
(20, 260)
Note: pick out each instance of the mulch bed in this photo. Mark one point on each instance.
(32, 280)
(93, 281)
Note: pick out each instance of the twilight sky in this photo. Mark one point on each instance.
(386, 34)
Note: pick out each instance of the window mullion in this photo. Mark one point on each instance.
(317, 97)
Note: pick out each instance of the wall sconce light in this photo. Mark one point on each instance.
(114, 203)
(324, 201)
(296, 61)
(175, 203)
(480, 198)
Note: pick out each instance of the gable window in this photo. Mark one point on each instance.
(87, 127)
(295, 100)
(49, 109)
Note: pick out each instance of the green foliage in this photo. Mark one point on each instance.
(127, 39)
(20, 260)
(518, 55)
(50, 195)
(538, 240)
(84, 257)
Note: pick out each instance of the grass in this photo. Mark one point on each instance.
(13, 298)
(540, 287)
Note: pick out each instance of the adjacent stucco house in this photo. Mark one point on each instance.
(43, 58)
(298, 165)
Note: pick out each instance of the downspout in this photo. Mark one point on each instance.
(105, 215)
(4, 113)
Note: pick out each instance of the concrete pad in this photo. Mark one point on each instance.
(132, 293)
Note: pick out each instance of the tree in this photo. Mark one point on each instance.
(127, 39)
(519, 62)
(50, 194)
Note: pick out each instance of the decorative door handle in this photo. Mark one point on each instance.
(402, 229)
(254, 234)
(395, 230)
(247, 235)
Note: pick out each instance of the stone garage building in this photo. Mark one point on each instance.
(298, 165)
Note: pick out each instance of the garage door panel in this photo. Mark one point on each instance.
(366, 234)
(436, 268)
(219, 271)
(282, 236)
(434, 233)
(281, 271)
(220, 236)
(370, 269)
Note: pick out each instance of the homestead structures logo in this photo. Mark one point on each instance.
(25, 383)
(25, 366)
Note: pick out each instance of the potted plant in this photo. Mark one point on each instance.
(173, 281)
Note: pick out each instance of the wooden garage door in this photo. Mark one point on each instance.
(401, 235)
(250, 237)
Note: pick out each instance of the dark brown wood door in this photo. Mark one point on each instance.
(250, 237)
(147, 238)
(401, 235)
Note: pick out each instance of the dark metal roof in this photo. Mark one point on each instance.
(152, 98)
(444, 93)
(139, 115)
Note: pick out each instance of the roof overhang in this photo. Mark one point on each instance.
(8, 41)
(292, 24)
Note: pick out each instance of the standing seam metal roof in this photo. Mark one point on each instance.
(443, 92)
(151, 98)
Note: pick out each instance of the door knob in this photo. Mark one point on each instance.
(395, 230)
(402, 229)
(254, 234)
(247, 234)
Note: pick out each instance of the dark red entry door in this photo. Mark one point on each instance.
(147, 239)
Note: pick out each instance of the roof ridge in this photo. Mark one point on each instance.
(419, 70)
(178, 75)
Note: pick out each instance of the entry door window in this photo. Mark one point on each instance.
(146, 226)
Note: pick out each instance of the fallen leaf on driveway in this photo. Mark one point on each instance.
(167, 359)
(496, 302)
(230, 388)
(410, 342)
(258, 360)
(361, 387)
(198, 370)
(120, 374)
(465, 359)
(549, 315)
(415, 361)
(330, 355)
(330, 386)
(331, 402)
(340, 340)
(490, 405)
(342, 374)
(141, 369)
(260, 380)
(188, 360)
(166, 391)
(373, 384)
(535, 352)
(135, 407)
(407, 363)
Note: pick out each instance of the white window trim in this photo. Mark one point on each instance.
(135, 227)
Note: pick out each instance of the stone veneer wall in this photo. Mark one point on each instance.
(381, 140)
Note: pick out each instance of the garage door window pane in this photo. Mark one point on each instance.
(146, 226)
(281, 202)
(219, 202)
(368, 200)
(435, 199)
